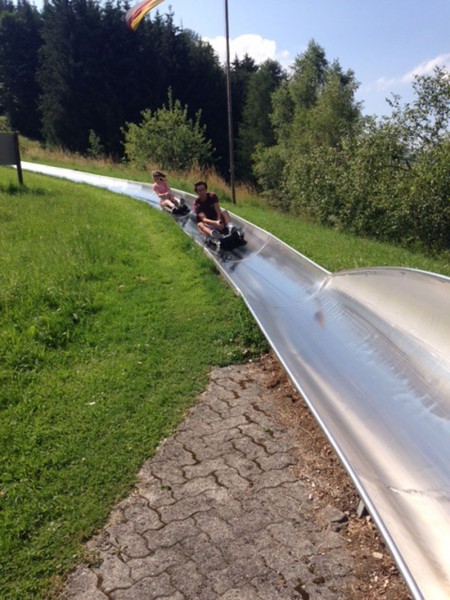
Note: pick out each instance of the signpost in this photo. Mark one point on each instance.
(10, 153)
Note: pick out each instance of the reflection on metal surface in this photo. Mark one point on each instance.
(369, 350)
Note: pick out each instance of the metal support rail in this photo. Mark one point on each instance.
(369, 350)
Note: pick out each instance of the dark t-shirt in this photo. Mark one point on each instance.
(206, 207)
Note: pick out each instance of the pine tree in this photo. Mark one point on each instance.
(19, 44)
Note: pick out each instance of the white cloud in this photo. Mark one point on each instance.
(257, 47)
(384, 83)
(425, 68)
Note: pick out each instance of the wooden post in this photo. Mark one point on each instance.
(17, 157)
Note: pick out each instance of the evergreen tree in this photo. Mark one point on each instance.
(19, 44)
(68, 71)
(332, 116)
(199, 83)
(256, 126)
(129, 68)
(309, 75)
(293, 101)
(241, 73)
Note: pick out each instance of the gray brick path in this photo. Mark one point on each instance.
(218, 513)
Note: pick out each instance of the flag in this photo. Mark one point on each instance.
(135, 15)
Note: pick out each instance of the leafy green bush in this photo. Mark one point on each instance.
(313, 183)
(168, 138)
(95, 148)
(269, 171)
(428, 199)
(4, 125)
(385, 178)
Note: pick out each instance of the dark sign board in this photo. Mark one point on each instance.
(9, 152)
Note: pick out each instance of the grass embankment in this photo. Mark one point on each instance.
(335, 250)
(331, 249)
(110, 318)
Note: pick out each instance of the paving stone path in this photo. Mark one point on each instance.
(218, 512)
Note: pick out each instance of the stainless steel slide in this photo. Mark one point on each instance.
(369, 350)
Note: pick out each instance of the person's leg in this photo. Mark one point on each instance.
(167, 204)
(174, 199)
(203, 228)
(225, 217)
(228, 225)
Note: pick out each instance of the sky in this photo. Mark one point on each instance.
(384, 42)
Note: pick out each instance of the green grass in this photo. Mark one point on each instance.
(110, 319)
(330, 248)
(335, 250)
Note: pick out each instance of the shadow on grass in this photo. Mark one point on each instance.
(14, 189)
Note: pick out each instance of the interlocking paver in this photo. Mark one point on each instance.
(174, 452)
(155, 563)
(195, 487)
(149, 587)
(126, 540)
(216, 529)
(82, 585)
(141, 516)
(204, 468)
(113, 573)
(217, 513)
(171, 534)
(183, 509)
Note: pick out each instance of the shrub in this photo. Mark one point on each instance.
(168, 138)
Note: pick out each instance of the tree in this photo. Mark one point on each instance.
(241, 74)
(20, 40)
(335, 112)
(199, 82)
(168, 138)
(309, 76)
(426, 120)
(315, 108)
(69, 74)
(96, 75)
(256, 126)
(293, 101)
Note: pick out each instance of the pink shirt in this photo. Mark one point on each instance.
(162, 187)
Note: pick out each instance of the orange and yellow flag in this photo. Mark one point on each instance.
(135, 15)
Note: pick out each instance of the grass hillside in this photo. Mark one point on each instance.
(328, 247)
(110, 319)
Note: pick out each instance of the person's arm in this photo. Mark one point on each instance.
(164, 194)
(204, 219)
(218, 211)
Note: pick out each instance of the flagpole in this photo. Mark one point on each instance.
(229, 109)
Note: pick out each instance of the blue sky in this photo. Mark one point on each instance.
(383, 41)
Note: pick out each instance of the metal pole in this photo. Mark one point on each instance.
(229, 109)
